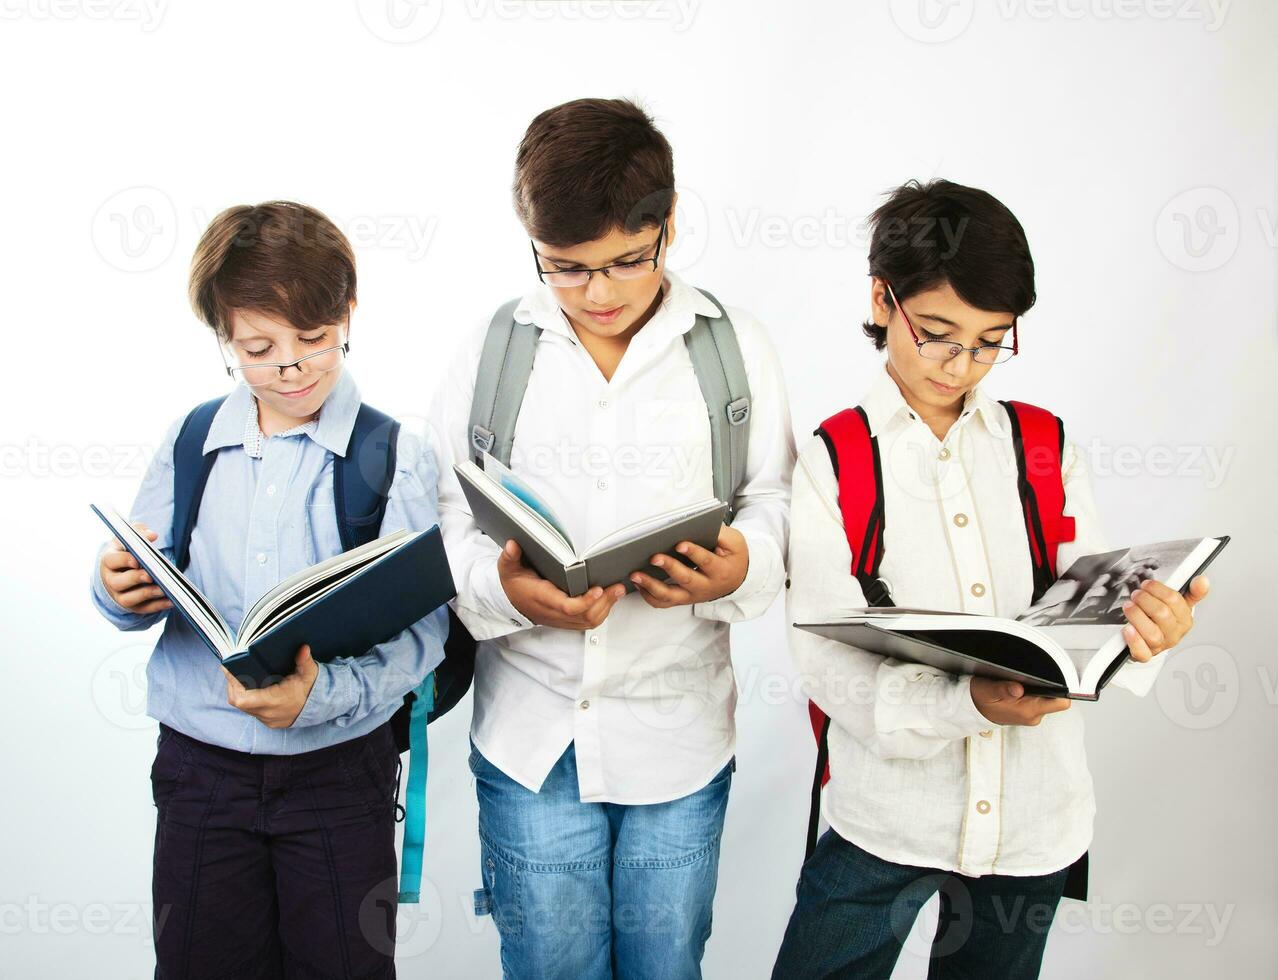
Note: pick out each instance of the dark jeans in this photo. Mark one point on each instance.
(273, 866)
(855, 911)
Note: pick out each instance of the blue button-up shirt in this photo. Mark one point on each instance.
(267, 513)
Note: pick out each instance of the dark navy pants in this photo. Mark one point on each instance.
(275, 866)
(855, 912)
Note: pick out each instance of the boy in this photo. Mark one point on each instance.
(961, 784)
(275, 824)
(603, 726)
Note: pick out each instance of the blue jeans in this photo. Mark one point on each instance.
(596, 890)
(855, 911)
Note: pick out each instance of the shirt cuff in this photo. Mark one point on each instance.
(913, 699)
(332, 695)
(489, 613)
(757, 590)
(1139, 677)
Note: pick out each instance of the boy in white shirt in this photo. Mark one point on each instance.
(603, 734)
(964, 785)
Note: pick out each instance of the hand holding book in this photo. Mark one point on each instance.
(543, 602)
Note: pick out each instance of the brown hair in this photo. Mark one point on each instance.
(279, 258)
(589, 167)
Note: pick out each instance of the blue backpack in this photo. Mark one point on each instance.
(361, 482)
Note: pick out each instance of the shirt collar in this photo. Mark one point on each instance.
(680, 305)
(235, 421)
(885, 404)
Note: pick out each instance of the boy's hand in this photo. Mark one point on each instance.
(279, 705)
(127, 583)
(1006, 703)
(717, 574)
(1158, 617)
(546, 605)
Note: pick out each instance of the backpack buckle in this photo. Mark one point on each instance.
(739, 411)
(482, 439)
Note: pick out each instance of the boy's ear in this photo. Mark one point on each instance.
(670, 221)
(880, 302)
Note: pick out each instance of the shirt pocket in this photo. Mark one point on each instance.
(323, 540)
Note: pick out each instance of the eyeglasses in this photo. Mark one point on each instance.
(261, 375)
(944, 350)
(621, 270)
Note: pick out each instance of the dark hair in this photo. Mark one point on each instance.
(927, 235)
(279, 258)
(589, 167)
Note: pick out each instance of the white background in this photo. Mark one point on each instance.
(1135, 139)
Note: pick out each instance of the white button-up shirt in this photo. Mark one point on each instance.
(649, 696)
(918, 775)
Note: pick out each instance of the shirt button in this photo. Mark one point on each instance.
(261, 557)
(987, 733)
(943, 454)
(270, 491)
(602, 484)
(960, 520)
(983, 806)
(978, 590)
(586, 704)
(594, 641)
(603, 402)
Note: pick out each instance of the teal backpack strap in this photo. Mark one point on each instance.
(410, 869)
(504, 368)
(720, 368)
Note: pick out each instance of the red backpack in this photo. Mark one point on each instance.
(1038, 438)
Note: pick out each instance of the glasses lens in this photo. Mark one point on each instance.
(939, 350)
(992, 355)
(322, 361)
(631, 270)
(261, 375)
(573, 277)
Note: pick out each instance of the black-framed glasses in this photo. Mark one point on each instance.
(319, 362)
(945, 350)
(633, 269)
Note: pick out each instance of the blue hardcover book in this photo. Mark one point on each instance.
(341, 606)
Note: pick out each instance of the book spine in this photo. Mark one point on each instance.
(578, 579)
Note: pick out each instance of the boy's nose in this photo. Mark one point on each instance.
(599, 292)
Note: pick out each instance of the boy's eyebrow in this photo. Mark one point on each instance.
(936, 318)
(258, 336)
(623, 255)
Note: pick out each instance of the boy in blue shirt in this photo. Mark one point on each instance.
(276, 806)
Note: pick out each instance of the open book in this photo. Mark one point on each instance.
(1069, 644)
(506, 506)
(341, 606)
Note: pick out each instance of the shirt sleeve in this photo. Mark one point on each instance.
(763, 500)
(481, 604)
(152, 506)
(896, 710)
(1090, 539)
(350, 688)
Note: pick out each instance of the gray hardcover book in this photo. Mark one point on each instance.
(503, 509)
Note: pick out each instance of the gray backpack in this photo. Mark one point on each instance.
(506, 364)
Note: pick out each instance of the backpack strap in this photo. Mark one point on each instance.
(1038, 439)
(716, 358)
(854, 456)
(500, 383)
(362, 478)
(191, 468)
